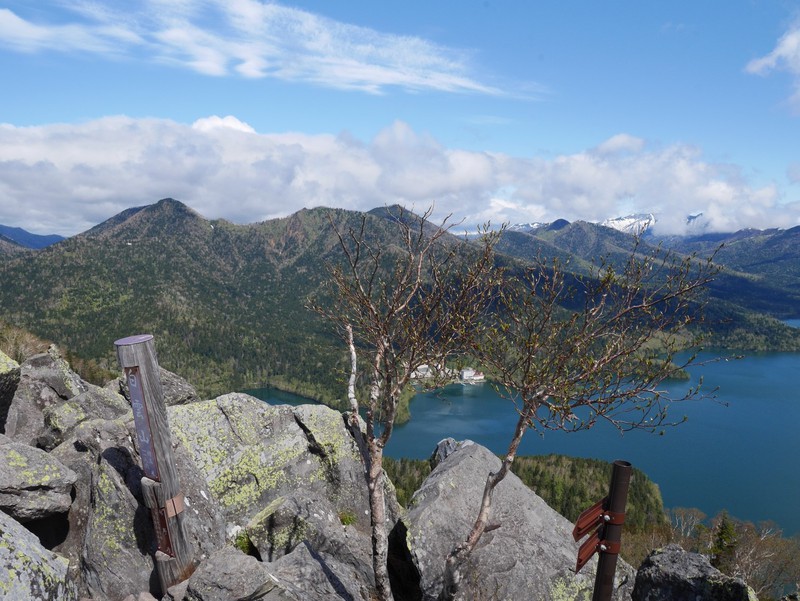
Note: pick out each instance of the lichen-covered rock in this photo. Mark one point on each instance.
(230, 575)
(314, 576)
(672, 574)
(29, 571)
(9, 379)
(95, 403)
(293, 482)
(530, 556)
(252, 453)
(109, 537)
(33, 485)
(45, 380)
(304, 529)
(110, 541)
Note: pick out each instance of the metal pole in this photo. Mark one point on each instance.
(160, 485)
(612, 532)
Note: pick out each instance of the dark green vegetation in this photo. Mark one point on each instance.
(9, 247)
(758, 286)
(227, 303)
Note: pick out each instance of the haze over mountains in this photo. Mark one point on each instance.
(227, 303)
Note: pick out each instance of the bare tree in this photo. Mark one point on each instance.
(761, 557)
(685, 522)
(399, 307)
(573, 351)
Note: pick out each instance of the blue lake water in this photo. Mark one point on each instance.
(740, 452)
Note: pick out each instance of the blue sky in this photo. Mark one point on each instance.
(502, 111)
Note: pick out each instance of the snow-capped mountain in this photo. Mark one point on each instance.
(526, 227)
(636, 224)
(632, 224)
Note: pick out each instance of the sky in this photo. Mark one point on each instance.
(490, 111)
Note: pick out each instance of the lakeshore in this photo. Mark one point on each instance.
(737, 452)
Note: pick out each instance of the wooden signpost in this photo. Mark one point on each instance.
(160, 486)
(606, 518)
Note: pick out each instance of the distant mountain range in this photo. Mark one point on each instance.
(637, 224)
(227, 302)
(21, 237)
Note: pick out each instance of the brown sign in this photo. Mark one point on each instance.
(142, 422)
(595, 518)
(590, 546)
(588, 520)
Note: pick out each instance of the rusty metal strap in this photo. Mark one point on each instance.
(174, 506)
(609, 547)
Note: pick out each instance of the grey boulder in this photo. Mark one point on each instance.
(176, 390)
(45, 380)
(531, 555)
(33, 485)
(230, 575)
(672, 574)
(28, 570)
(9, 379)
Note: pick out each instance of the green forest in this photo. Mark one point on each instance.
(228, 304)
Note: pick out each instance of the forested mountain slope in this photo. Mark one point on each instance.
(227, 303)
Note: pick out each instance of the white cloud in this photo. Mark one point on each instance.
(207, 124)
(621, 143)
(66, 178)
(253, 39)
(24, 36)
(785, 56)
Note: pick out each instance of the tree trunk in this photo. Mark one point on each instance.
(461, 552)
(377, 506)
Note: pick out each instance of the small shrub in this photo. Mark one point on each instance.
(347, 517)
(244, 544)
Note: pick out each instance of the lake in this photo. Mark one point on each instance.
(738, 453)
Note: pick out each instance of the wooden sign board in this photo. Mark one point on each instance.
(142, 421)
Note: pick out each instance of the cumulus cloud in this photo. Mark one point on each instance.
(784, 57)
(207, 124)
(65, 178)
(249, 38)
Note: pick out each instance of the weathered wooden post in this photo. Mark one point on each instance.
(607, 516)
(160, 486)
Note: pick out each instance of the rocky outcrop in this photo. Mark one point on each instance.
(28, 570)
(305, 533)
(176, 390)
(530, 555)
(253, 453)
(49, 399)
(45, 380)
(672, 574)
(9, 379)
(291, 482)
(230, 575)
(110, 540)
(60, 419)
(286, 485)
(33, 485)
